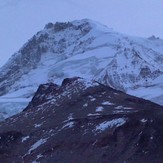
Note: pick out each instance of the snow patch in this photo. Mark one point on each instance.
(68, 125)
(37, 144)
(85, 105)
(70, 117)
(93, 99)
(107, 103)
(143, 120)
(99, 108)
(95, 114)
(25, 138)
(37, 125)
(118, 107)
(109, 124)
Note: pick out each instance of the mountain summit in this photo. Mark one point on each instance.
(90, 50)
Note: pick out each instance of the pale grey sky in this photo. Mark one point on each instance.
(20, 19)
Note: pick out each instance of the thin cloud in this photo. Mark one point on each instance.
(8, 3)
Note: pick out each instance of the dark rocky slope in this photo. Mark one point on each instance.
(83, 122)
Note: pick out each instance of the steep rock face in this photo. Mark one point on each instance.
(83, 121)
(129, 70)
(54, 39)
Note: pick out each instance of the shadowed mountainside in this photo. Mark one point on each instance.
(83, 121)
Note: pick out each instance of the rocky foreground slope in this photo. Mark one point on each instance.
(85, 122)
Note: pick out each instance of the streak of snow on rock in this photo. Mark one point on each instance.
(109, 124)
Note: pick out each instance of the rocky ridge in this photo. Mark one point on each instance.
(83, 121)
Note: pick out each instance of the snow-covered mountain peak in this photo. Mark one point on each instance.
(87, 49)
